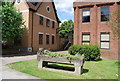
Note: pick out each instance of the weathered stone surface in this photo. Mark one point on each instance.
(44, 59)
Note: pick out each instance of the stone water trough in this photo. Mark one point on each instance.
(44, 59)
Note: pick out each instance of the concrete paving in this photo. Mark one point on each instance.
(7, 73)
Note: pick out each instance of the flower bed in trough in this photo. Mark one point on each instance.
(44, 57)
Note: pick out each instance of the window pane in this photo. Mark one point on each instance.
(34, 3)
(105, 14)
(87, 43)
(53, 38)
(41, 20)
(105, 37)
(40, 38)
(105, 45)
(18, 1)
(48, 23)
(86, 37)
(53, 24)
(85, 15)
(47, 39)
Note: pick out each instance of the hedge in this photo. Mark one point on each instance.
(90, 52)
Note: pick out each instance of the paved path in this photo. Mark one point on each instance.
(8, 73)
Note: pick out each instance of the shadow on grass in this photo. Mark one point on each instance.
(55, 66)
(96, 60)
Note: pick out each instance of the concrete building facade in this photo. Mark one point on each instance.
(91, 26)
(41, 22)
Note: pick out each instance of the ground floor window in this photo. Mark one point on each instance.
(47, 39)
(53, 39)
(105, 40)
(85, 38)
(40, 38)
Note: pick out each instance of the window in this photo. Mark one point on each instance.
(53, 24)
(105, 40)
(86, 38)
(34, 3)
(47, 39)
(40, 38)
(41, 20)
(47, 22)
(105, 12)
(48, 9)
(53, 39)
(86, 15)
(18, 1)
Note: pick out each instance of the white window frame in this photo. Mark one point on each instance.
(85, 41)
(40, 33)
(104, 41)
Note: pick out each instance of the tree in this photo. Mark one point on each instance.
(66, 29)
(12, 25)
(114, 24)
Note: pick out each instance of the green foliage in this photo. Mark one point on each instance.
(74, 49)
(12, 25)
(69, 57)
(90, 52)
(66, 29)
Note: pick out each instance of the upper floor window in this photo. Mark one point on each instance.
(105, 12)
(34, 3)
(41, 20)
(18, 1)
(85, 38)
(48, 9)
(47, 22)
(86, 15)
(53, 24)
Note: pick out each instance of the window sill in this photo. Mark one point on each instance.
(105, 48)
(86, 22)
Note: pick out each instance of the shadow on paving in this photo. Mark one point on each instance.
(19, 54)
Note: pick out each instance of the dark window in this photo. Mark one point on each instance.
(105, 40)
(34, 3)
(86, 38)
(53, 39)
(53, 24)
(48, 8)
(47, 22)
(40, 38)
(105, 12)
(41, 20)
(47, 39)
(86, 15)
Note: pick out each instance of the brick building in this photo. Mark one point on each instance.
(91, 27)
(41, 22)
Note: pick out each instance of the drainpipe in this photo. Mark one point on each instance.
(32, 33)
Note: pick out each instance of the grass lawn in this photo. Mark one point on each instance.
(104, 69)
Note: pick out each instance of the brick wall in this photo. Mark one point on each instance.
(95, 26)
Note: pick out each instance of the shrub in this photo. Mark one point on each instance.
(74, 49)
(90, 52)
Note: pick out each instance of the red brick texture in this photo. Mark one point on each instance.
(95, 26)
